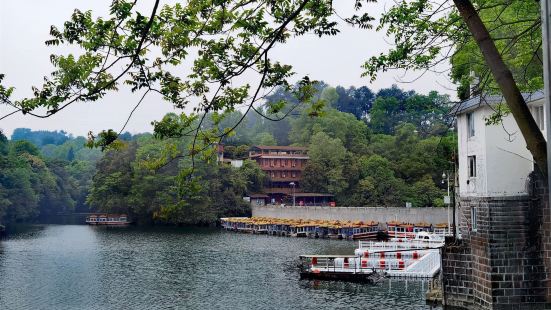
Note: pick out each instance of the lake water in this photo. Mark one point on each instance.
(82, 267)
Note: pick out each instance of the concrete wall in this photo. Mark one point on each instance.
(508, 160)
(381, 215)
(504, 263)
(472, 146)
(502, 159)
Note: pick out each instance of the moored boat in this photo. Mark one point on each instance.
(400, 230)
(442, 229)
(366, 231)
(108, 219)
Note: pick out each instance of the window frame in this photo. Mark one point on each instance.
(474, 218)
(471, 166)
(538, 113)
(470, 125)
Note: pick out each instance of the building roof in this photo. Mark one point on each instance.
(281, 156)
(480, 100)
(305, 195)
(258, 196)
(280, 147)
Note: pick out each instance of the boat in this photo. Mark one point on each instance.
(422, 226)
(108, 219)
(400, 230)
(442, 229)
(366, 231)
(302, 230)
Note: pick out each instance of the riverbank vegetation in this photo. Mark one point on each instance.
(51, 175)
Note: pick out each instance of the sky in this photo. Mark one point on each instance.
(24, 59)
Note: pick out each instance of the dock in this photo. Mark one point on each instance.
(351, 230)
(394, 259)
(329, 229)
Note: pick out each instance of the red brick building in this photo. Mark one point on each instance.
(284, 166)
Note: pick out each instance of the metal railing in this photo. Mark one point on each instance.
(374, 246)
(426, 267)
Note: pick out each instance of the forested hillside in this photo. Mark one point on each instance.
(50, 175)
(369, 149)
(366, 148)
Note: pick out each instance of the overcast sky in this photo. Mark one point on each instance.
(24, 59)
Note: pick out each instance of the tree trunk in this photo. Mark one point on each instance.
(535, 142)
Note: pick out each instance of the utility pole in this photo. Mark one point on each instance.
(293, 185)
(546, 41)
(447, 201)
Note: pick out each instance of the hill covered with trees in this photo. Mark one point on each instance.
(35, 184)
(366, 148)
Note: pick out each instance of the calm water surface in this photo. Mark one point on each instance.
(82, 267)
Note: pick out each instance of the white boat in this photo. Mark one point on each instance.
(108, 219)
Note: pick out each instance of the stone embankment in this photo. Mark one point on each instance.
(379, 214)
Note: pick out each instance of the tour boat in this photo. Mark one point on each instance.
(442, 229)
(366, 231)
(400, 230)
(422, 226)
(108, 219)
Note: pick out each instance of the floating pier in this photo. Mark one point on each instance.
(418, 258)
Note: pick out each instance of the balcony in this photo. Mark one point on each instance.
(281, 190)
(281, 168)
(286, 179)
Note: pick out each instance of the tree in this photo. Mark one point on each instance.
(71, 155)
(428, 33)
(264, 138)
(23, 147)
(254, 176)
(425, 33)
(394, 107)
(112, 183)
(379, 186)
(40, 137)
(330, 95)
(234, 38)
(426, 194)
(352, 132)
(357, 101)
(324, 171)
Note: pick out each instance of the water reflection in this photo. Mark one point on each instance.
(68, 267)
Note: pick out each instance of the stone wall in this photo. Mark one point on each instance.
(379, 214)
(502, 263)
(457, 282)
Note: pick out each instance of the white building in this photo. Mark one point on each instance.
(493, 159)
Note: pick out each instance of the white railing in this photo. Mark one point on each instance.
(426, 267)
(374, 246)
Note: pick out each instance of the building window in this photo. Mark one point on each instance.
(472, 166)
(283, 174)
(470, 125)
(272, 163)
(294, 162)
(294, 174)
(474, 225)
(538, 114)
